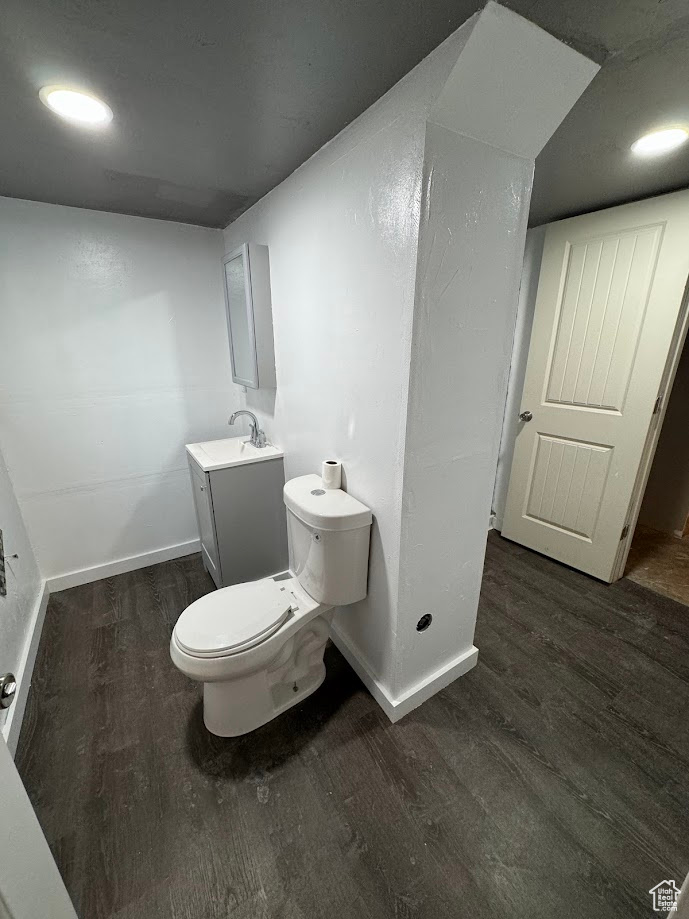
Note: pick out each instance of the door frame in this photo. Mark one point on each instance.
(671, 363)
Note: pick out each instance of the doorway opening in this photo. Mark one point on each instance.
(604, 298)
(659, 553)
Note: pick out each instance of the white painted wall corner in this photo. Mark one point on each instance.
(122, 566)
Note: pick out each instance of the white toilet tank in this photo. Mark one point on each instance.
(329, 538)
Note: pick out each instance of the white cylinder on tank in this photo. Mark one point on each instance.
(329, 538)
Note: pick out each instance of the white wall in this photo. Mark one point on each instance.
(467, 282)
(342, 233)
(510, 87)
(533, 252)
(666, 500)
(114, 356)
(345, 232)
(19, 609)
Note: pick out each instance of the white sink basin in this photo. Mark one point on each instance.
(232, 451)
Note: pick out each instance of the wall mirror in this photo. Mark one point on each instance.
(240, 318)
(249, 316)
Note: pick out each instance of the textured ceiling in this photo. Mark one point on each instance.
(216, 102)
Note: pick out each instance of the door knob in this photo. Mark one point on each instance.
(8, 687)
(525, 416)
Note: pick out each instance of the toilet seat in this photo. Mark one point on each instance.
(233, 619)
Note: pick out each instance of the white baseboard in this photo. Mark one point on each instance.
(122, 566)
(15, 714)
(396, 708)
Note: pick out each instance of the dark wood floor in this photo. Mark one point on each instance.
(551, 781)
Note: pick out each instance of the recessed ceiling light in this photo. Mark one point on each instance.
(82, 108)
(658, 142)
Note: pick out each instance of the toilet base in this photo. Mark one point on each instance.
(222, 721)
(237, 706)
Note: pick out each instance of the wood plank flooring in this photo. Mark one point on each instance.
(660, 562)
(551, 781)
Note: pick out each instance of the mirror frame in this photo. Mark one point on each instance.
(243, 253)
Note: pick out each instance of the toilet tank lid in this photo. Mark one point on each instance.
(325, 509)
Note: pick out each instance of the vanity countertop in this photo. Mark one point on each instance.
(232, 451)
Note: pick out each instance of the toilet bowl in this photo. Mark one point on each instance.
(258, 647)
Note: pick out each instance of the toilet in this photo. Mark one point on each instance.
(258, 647)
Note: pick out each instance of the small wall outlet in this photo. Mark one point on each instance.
(3, 581)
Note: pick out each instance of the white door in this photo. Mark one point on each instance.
(30, 884)
(609, 298)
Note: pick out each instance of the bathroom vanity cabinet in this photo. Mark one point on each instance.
(239, 508)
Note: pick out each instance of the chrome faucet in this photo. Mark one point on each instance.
(258, 437)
